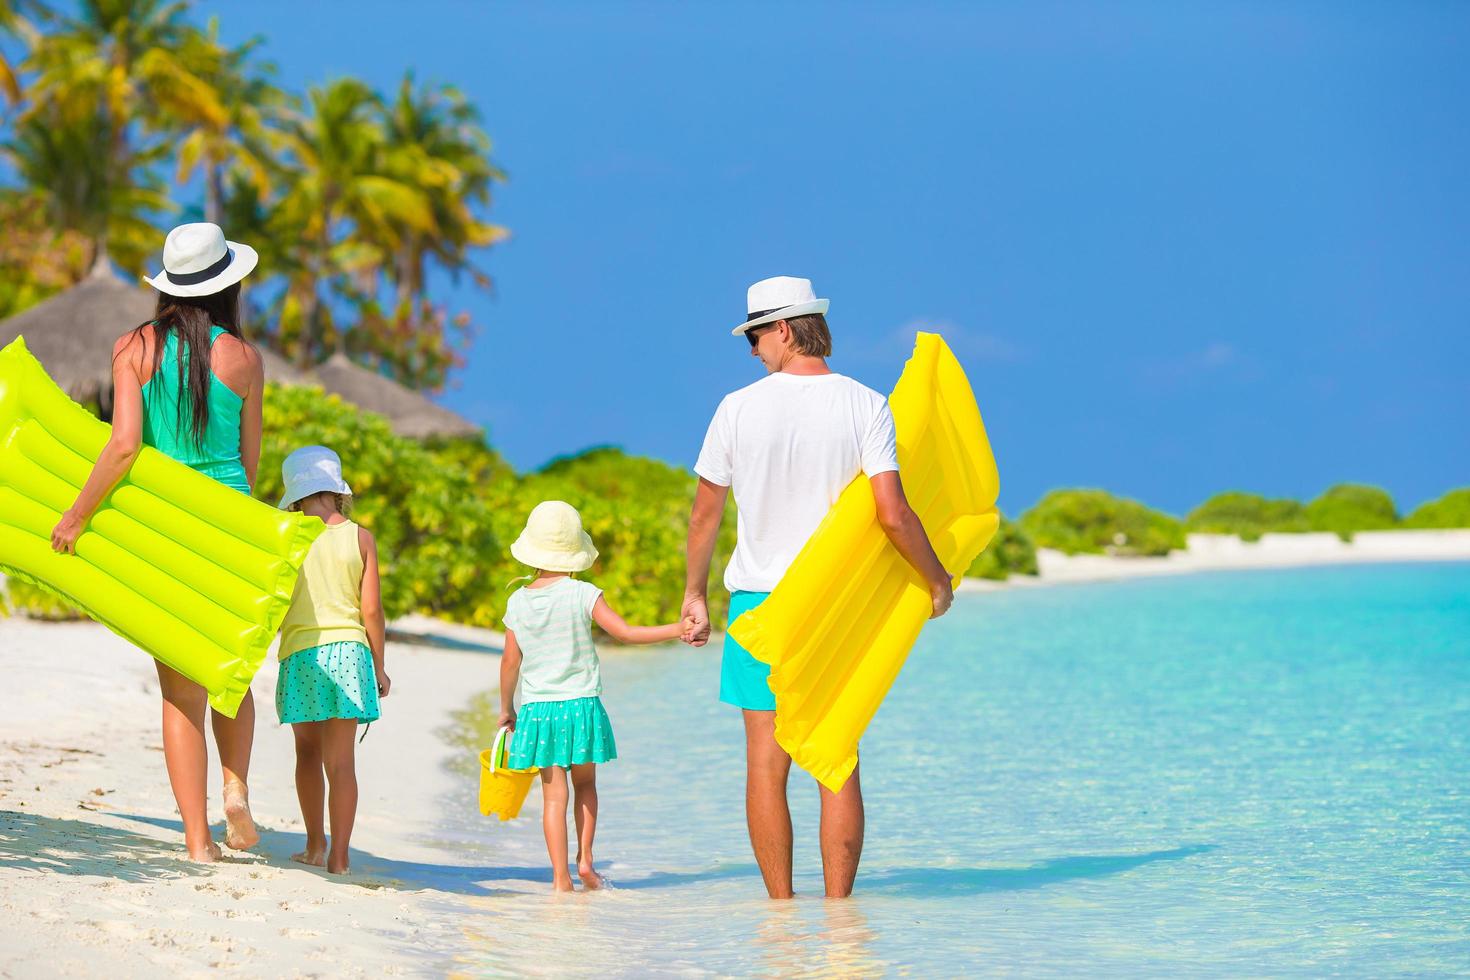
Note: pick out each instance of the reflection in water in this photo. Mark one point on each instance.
(821, 938)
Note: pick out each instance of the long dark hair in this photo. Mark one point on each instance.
(190, 318)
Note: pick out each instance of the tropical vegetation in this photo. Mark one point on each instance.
(1249, 515)
(1451, 510)
(1095, 521)
(117, 109)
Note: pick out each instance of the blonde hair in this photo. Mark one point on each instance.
(810, 336)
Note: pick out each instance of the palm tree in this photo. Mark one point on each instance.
(245, 139)
(343, 209)
(67, 176)
(115, 65)
(435, 143)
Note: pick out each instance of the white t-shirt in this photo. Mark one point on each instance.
(787, 446)
(553, 625)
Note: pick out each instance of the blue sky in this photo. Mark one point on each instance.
(1179, 248)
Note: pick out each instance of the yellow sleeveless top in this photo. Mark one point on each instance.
(327, 604)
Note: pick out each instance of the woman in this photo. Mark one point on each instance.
(189, 385)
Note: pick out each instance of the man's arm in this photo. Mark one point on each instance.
(906, 531)
(704, 530)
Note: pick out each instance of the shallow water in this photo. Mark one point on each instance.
(1261, 772)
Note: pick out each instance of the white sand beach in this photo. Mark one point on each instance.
(92, 880)
(91, 873)
(1224, 552)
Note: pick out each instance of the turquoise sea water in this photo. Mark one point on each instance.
(1258, 773)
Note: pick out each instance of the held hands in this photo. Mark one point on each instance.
(695, 618)
(507, 720)
(64, 535)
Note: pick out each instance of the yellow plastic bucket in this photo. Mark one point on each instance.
(502, 790)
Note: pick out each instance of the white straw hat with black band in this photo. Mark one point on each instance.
(199, 261)
(779, 298)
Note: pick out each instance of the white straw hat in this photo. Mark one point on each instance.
(779, 298)
(553, 540)
(309, 470)
(198, 261)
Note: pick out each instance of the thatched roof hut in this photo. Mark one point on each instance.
(72, 334)
(412, 414)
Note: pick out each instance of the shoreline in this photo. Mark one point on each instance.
(1227, 552)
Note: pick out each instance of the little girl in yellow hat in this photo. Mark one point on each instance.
(562, 727)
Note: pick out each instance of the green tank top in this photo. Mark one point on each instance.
(168, 429)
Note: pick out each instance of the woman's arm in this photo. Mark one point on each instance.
(614, 626)
(373, 621)
(251, 417)
(122, 446)
(510, 679)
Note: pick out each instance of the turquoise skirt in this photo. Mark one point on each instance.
(335, 680)
(562, 733)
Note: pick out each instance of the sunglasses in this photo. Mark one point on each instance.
(754, 334)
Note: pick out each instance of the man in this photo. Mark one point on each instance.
(788, 445)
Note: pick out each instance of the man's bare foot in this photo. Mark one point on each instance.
(591, 880)
(208, 855)
(240, 832)
(314, 855)
(337, 867)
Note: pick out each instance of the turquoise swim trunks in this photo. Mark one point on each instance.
(744, 679)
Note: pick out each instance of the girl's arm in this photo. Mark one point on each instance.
(373, 620)
(613, 625)
(122, 446)
(510, 679)
(251, 418)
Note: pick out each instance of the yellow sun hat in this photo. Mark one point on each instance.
(553, 540)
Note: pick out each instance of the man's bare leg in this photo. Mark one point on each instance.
(767, 814)
(842, 835)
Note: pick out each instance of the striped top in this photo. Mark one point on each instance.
(553, 626)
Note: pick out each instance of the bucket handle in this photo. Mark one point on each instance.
(499, 754)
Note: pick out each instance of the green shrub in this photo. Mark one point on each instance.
(1350, 507)
(1009, 553)
(1083, 521)
(35, 602)
(1247, 514)
(1451, 510)
(637, 511)
(433, 527)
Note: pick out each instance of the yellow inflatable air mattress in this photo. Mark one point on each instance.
(840, 623)
(196, 574)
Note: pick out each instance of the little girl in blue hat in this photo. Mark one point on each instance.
(562, 727)
(331, 652)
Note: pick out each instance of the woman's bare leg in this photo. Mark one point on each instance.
(554, 824)
(187, 758)
(311, 790)
(339, 745)
(235, 737)
(584, 788)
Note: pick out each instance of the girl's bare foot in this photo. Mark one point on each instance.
(240, 832)
(591, 880)
(209, 854)
(314, 855)
(562, 883)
